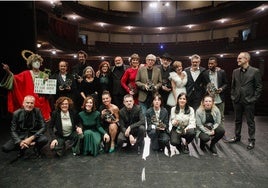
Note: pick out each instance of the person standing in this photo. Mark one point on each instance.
(165, 68)
(178, 79)
(217, 85)
(148, 81)
(246, 88)
(27, 128)
(196, 82)
(66, 85)
(128, 79)
(77, 72)
(22, 84)
(117, 90)
(89, 85)
(77, 69)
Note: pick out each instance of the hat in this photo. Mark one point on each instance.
(151, 56)
(166, 56)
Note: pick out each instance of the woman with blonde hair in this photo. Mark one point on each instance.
(208, 122)
(178, 79)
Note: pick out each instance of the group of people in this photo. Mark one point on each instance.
(119, 105)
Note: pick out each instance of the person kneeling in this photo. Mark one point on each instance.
(132, 125)
(63, 127)
(27, 129)
(208, 120)
(157, 121)
(183, 124)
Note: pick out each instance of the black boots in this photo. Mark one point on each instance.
(251, 144)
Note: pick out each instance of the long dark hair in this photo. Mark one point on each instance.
(186, 108)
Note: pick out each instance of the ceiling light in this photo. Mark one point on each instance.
(153, 5)
(222, 20)
(53, 52)
(129, 27)
(102, 57)
(166, 4)
(221, 55)
(75, 56)
(257, 52)
(160, 28)
(74, 17)
(38, 45)
(102, 24)
(190, 26)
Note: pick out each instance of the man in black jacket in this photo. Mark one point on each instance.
(246, 89)
(196, 83)
(27, 128)
(132, 124)
(117, 71)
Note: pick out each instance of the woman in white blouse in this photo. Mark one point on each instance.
(178, 80)
(182, 118)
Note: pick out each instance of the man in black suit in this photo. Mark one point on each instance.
(27, 129)
(197, 82)
(117, 90)
(246, 89)
(166, 61)
(217, 85)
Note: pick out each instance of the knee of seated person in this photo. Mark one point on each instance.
(142, 129)
(4, 149)
(191, 132)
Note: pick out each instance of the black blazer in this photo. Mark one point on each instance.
(221, 81)
(55, 128)
(67, 93)
(136, 118)
(19, 130)
(248, 89)
(199, 85)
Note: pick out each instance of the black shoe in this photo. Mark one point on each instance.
(234, 140)
(202, 146)
(185, 149)
(213, 149)
(224, 139)
(251, 145)
(21, 153)
(139, 150)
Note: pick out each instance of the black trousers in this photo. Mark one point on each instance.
(249, 110)
(175, 138)
(159, 139)
(137, 132)
(40, 142)
(219, 132)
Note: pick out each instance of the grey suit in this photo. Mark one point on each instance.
(246, 89)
